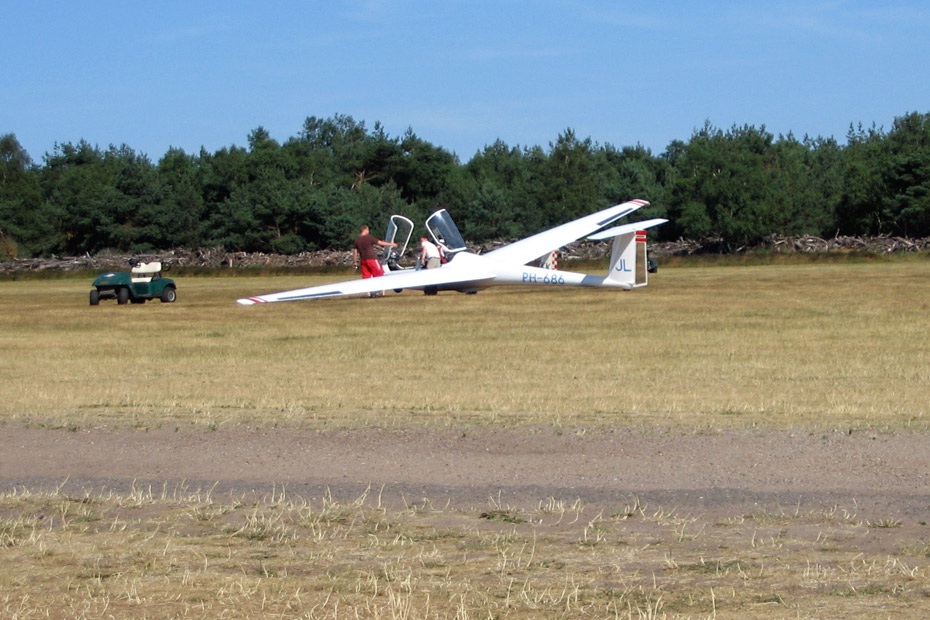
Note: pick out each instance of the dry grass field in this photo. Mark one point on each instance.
(825, 352)
(183, 554)
(838, 344)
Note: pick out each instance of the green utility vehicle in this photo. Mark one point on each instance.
(143, 282)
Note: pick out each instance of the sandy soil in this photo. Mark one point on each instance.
(875, 475)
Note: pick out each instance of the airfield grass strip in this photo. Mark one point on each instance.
(778, 345)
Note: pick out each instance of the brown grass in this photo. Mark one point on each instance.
(830, 345)
(178, 553)
(779, 346)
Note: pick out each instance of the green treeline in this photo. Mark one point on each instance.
(314, 191)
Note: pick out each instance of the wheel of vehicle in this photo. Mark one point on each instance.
(94, 297)
(169, 295)
(122, 295)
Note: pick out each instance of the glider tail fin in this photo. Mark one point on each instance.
(628, 261)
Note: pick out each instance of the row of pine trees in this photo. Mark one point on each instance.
(738, 186)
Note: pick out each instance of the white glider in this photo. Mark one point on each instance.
(467, 272)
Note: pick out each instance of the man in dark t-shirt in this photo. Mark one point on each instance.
(365, 254)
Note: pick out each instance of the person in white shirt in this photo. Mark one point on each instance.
(429, 254)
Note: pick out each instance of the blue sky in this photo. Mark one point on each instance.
(461, 74)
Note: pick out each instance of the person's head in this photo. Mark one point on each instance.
(364, 229)
(423, 239)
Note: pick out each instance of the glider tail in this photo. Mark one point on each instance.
(628, 260)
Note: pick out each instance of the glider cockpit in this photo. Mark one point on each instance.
(399, 231)
(440, 227)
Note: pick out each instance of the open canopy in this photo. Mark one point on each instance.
(445, 232)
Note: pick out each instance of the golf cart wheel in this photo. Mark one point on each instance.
(169, 295)
(94, 297)
(122, 296)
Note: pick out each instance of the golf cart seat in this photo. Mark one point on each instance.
(144, 272)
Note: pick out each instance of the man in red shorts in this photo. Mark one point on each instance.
(365, 253)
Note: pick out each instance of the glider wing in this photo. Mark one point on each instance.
(626, 228)
(448, 275)
(529, 249)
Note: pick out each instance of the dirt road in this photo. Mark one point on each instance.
(876, 475)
